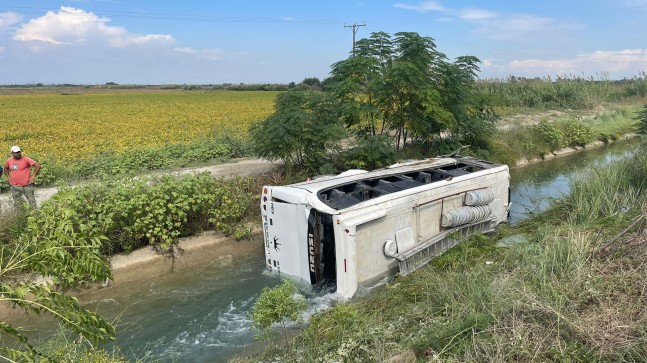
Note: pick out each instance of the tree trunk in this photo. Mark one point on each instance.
(397, 144)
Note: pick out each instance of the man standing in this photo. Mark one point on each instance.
(18, 171)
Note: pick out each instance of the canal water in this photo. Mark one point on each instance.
(202, 314)
(535, 186)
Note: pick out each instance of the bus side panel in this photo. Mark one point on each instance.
(346, 258)
(500, 185)
(429, 219)
(370, 240)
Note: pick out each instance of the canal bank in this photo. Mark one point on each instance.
(190, 252)
(570, 150)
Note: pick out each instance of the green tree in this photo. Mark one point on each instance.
(410, 98)
(356, 81)
(301, 132)
(310, 84)
(369, 152)
(472, 116)
(50, 246)
(278, 305)
(397, 85)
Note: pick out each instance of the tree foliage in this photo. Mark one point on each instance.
(400, 87)
(65, 257)
(473, 118)
(368, 152)
(304, 127)
(403, 86)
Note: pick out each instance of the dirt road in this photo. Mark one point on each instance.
(236, 167)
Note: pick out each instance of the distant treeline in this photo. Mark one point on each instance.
(308, 84)
(550, 93)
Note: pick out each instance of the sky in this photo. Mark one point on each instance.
(271, 41)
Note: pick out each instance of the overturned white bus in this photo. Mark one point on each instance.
(358, 226)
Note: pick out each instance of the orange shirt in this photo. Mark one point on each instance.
(19, 170)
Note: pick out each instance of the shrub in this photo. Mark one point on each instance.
(501, 152)
(305, 126)
(136, 212)
(49, 246)
(63, 349)
(550, 134)
(641, 117)
(576, 133)
(371, 152)
(278, 305)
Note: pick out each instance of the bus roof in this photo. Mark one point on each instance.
(355, 186)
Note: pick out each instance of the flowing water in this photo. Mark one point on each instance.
(533, 187)
(202, 314)
(196, 315)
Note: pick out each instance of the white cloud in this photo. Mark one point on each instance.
(641, 4)
(521, 26)
(476, 14)
(8, 19)
(493, 25)
(120, 42)
(625, 62)
(422, 7)
(208, 54)
(489, 62)
(71, 26)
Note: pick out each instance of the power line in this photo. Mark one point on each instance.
(589, 58)
(354, 26)
(168, 16)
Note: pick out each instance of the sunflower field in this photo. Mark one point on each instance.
(66, 127)
(83, 135)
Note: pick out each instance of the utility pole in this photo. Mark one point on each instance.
(354, 26)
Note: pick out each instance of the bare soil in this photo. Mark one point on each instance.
(520, 119)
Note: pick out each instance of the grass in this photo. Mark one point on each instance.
(568, 102)
(64, 347)
(574, 293)
(620, 121)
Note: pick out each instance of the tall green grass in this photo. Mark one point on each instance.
(565, 92)
(621, 120)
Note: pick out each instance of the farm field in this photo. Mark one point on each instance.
(65, 126)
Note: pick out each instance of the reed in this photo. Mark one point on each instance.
(563, 92)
